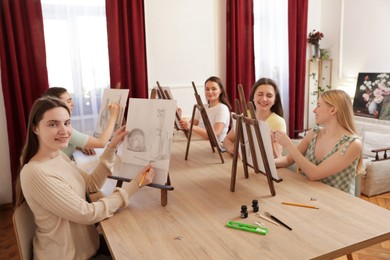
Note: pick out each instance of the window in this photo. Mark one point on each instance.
(77, 55)
(271, 44)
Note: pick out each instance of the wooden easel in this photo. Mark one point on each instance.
(209, 129)
(249, 122)
(164, 188)
(159, 92)
(239, 142)
(253, 122)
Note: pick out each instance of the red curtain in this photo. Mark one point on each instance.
(240, 57)
(23, 67)
(127, 45)
(297, 30)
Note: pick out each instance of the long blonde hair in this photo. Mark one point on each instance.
(342, 102)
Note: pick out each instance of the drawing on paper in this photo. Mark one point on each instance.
(150, 126)
(111, 95)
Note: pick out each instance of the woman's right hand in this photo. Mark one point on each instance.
(118, 137)
(282, 138)
(114, 109)
(184, 124)
(145, 176)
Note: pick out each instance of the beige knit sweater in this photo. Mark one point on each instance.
(55, 190)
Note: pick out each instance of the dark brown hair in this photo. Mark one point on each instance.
(31, 144)
(277, 108)
(223, 96)
(55, 92)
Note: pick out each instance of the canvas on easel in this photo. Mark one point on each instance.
(252, 144)
(242, 135)
(148, 141)
(214, 143)
(264, 152)
(165, 93)
(111, 95)
(262, 145)
(239, 148)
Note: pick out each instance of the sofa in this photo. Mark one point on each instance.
(375, 135)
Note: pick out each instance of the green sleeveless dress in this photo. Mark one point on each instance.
(343, 179)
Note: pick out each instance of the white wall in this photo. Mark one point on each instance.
(364, 39)
(185, 43)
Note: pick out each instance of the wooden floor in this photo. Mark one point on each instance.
(9, 250)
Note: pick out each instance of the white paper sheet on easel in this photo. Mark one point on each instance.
(150, 126)
(266, 136)
(111, 95)
(170, 96)
(249, 159)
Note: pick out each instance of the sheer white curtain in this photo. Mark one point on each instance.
(77, 55)
(271, 44)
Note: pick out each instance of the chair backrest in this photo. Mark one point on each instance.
(24, 226)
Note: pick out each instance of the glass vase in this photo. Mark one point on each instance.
(315, 51)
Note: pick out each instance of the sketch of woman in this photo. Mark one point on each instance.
(157, 143)
(105, 115)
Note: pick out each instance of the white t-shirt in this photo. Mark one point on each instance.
(219, 113)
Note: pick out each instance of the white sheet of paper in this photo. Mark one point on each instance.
(266, 136)
(150, 127)
(109, 96)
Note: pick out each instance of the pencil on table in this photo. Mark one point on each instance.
(300, 205)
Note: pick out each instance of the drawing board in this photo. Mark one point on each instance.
(165, 93)
(149, 123)
(266, 136)
(111, 95)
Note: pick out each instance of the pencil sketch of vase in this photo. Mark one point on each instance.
(157, 139)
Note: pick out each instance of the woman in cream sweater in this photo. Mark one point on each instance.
(55, 188)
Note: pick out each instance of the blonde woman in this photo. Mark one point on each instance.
(331, 151)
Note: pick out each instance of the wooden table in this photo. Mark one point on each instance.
(192, 225)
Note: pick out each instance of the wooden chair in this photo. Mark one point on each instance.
(24, 227)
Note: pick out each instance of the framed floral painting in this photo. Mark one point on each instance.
(372, 97)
